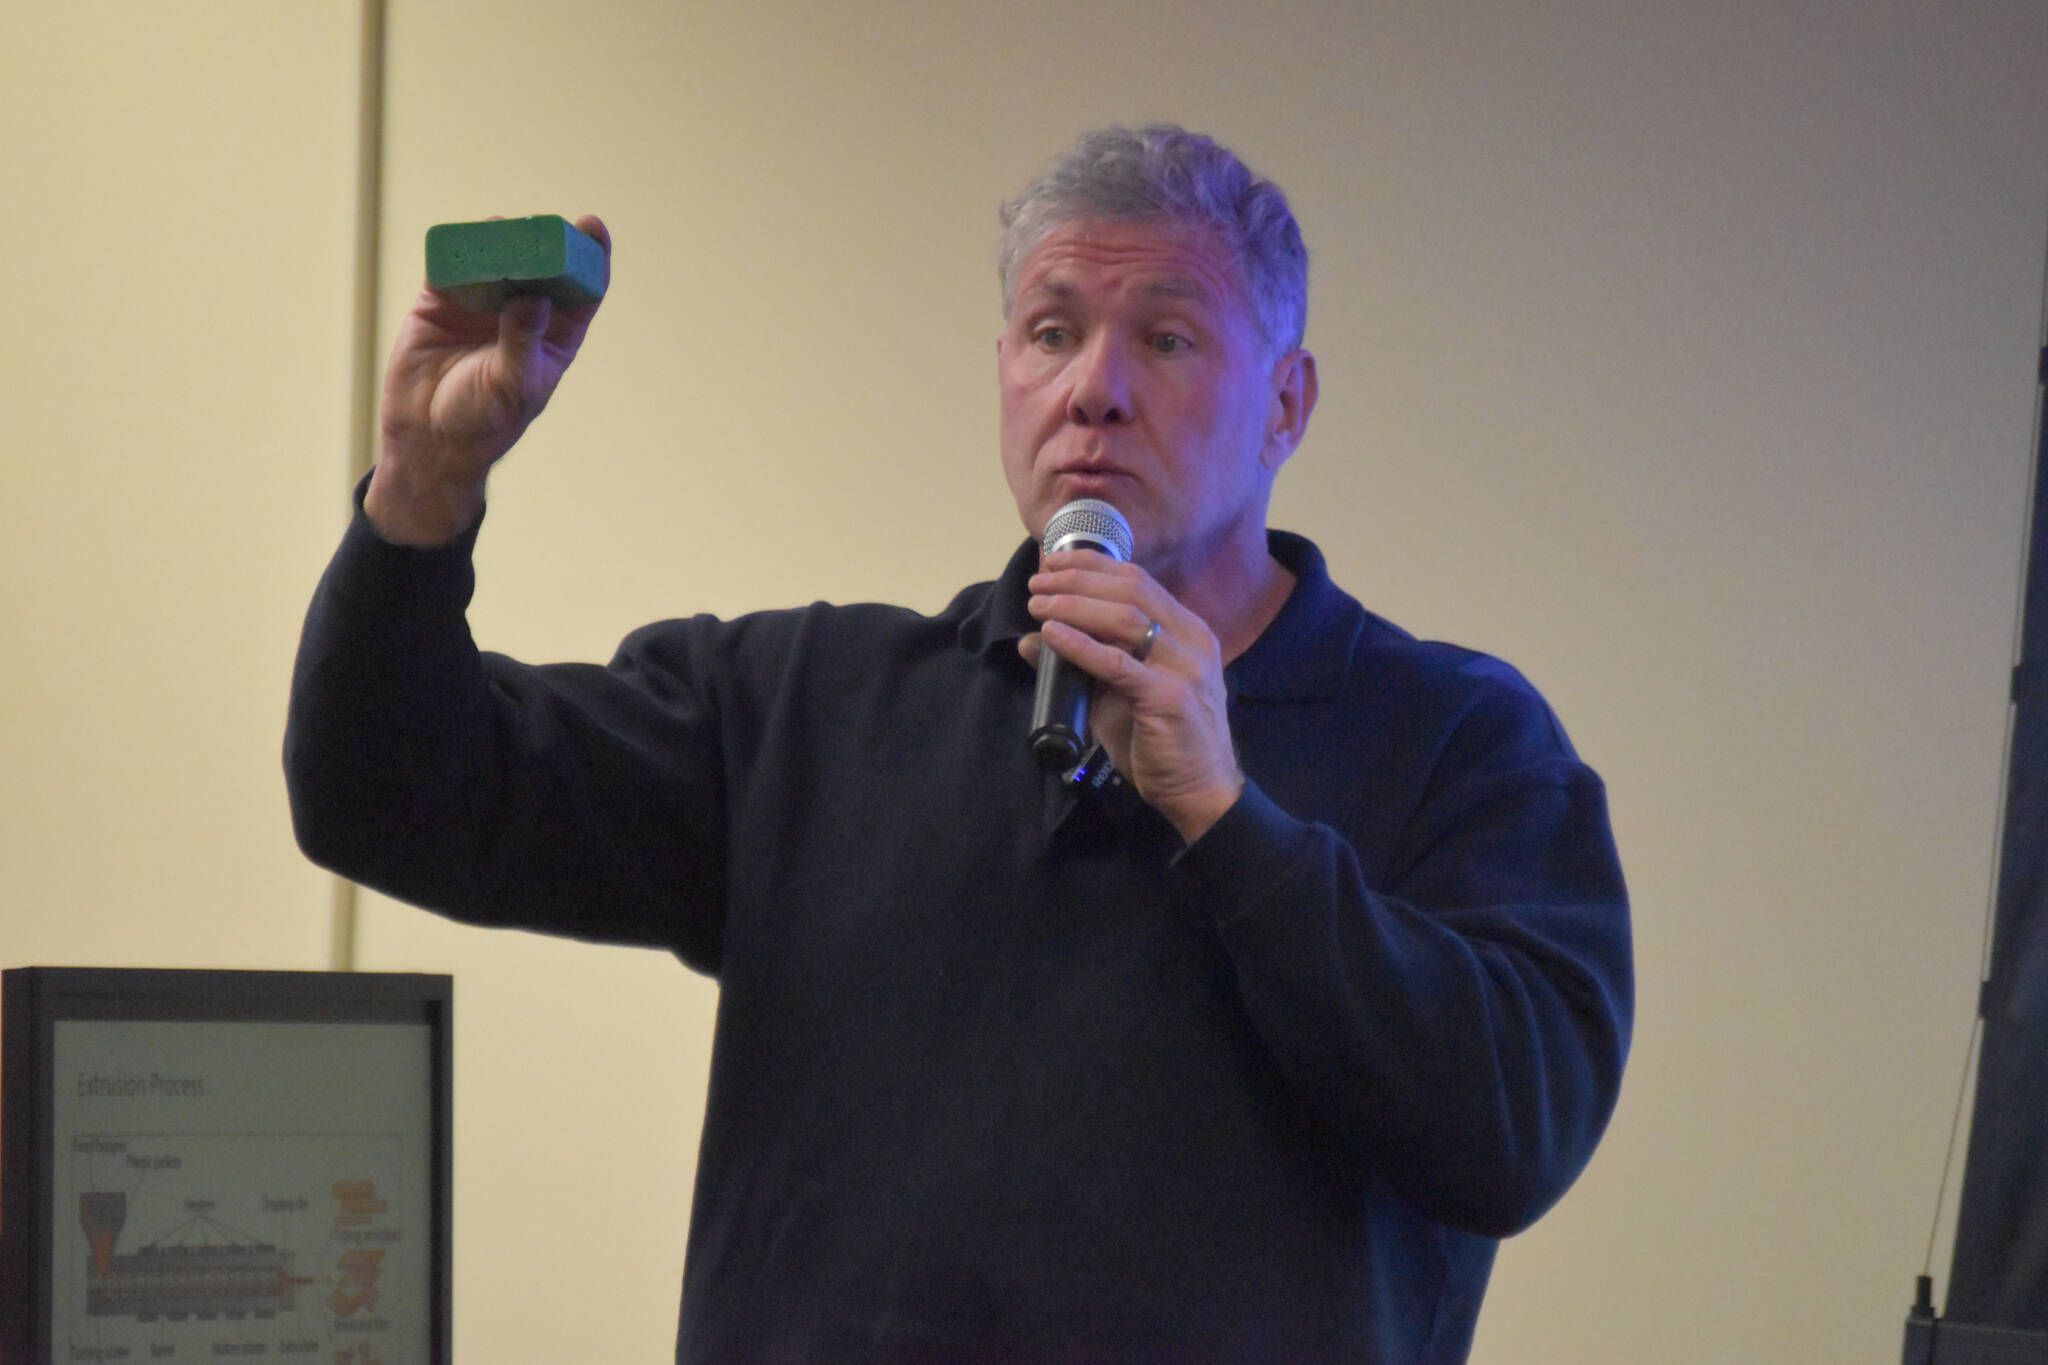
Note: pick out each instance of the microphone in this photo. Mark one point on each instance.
(1059, 711)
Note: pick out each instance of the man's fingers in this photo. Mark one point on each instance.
(1120, 604)
(1084, 573)
(1113, 623)
(1106, 663)
(1113, 609)
(1085, 566)
(1077, 647)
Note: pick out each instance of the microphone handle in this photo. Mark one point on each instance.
(1059, 713)
(1059, 710)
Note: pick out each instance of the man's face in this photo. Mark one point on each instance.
(1132, 371)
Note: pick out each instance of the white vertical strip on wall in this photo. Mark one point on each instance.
(341, 935)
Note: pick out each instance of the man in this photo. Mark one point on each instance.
(1248, 1053)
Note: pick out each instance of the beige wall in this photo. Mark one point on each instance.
(1682, 354)
(178, 181)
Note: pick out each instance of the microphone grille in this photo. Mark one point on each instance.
(1089, 524)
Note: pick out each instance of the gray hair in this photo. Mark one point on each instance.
(1164, 173)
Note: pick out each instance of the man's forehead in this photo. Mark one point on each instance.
(1167, 286)
(1156, 260)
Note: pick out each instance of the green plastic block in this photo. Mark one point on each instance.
(483, 264)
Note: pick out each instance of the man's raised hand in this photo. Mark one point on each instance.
(460, 389)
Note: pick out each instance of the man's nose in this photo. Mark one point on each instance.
(1101, 395)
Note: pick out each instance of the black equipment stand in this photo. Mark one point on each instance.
(1998, 1281)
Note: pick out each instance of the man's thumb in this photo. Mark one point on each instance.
(524, 319)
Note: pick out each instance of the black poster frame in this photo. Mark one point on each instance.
(34, 1000)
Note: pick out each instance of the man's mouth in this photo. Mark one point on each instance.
(1090, 471)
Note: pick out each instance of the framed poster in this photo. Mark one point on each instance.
(210, 1165)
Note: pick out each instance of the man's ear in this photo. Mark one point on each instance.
(1294, 400)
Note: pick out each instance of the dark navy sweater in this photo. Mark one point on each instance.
(1002, 1071)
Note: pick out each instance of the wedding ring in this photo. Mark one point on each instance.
(1144, 646)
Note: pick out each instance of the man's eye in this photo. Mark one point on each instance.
(1052, 338)
(1166, 343)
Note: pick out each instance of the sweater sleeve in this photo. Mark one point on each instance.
(567, 798)
(1464, 1024)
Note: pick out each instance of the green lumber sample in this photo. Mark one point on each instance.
(481, 265)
